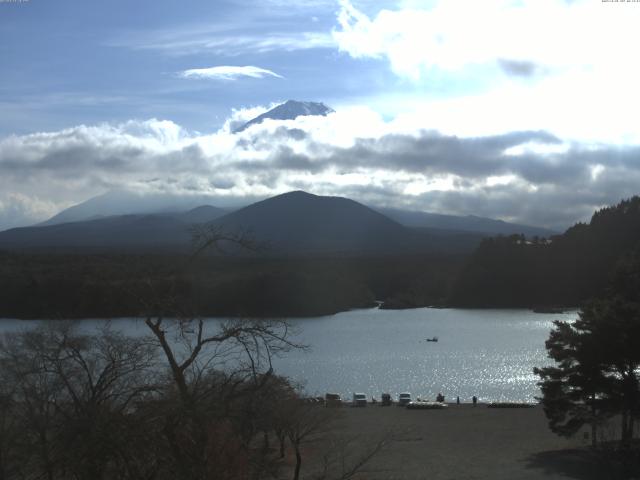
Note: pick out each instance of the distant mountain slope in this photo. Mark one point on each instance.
(201, 214)
(289, 110)
(158, 231)
(149, 231)
(123, 202)
(295, 223)
(469, 223)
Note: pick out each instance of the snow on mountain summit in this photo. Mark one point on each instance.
(289, 110)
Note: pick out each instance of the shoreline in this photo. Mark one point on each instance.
(309, 317)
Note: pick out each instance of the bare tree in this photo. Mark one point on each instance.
(72, 397)
(218, 370)
(9, 429)
(335, 456)
(305, 422)
(345, 457)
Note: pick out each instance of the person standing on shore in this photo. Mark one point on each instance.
(475, 400)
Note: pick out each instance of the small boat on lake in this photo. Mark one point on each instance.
(432, 339)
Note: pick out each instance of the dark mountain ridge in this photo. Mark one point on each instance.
(295, 223)
(301, 222)
(122, 202)
(468, 223)
(160, 231)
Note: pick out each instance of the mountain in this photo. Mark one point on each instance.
(201, 214)
(289, 110)
(299, 222)
(469, 223)
(295, 223)
(124, 202)
(165, 231)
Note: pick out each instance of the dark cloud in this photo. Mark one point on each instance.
(285, 158)
(518, 68)
(555, 208)
(428, 153)
(551, 189)
(292, 133)
(433, 153)
(541, 180)
(222, 183)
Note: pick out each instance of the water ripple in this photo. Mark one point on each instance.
(487, 353)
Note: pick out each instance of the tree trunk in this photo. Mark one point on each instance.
(282, 447)
(625, 441)
(44, 445)
(296, 473)
(594, 426)
(176, 371)
(629, 438)
(2, 469)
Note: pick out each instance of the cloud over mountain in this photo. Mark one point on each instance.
(530, 177)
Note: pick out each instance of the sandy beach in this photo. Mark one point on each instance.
(465, 442)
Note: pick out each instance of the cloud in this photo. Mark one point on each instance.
(226, 72)
(518, 68)
(561, 60)
(528, 176)
(268, 26)
(240, 116)
(236, 44)
(17, 209)
(276, 28)
(455, 34)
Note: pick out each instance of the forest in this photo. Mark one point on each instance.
(503, 272)
(111, 285)
(564, 270)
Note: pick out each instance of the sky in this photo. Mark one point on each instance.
(522, 110)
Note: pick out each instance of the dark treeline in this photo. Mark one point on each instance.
(111, 285)
(562, 271)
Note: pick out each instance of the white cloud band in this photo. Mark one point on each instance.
(227, 72)
(527, 176)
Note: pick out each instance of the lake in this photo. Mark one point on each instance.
(487, 353)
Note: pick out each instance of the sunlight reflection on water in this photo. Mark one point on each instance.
(487, 353)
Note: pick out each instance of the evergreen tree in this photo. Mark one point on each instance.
(597, 358)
